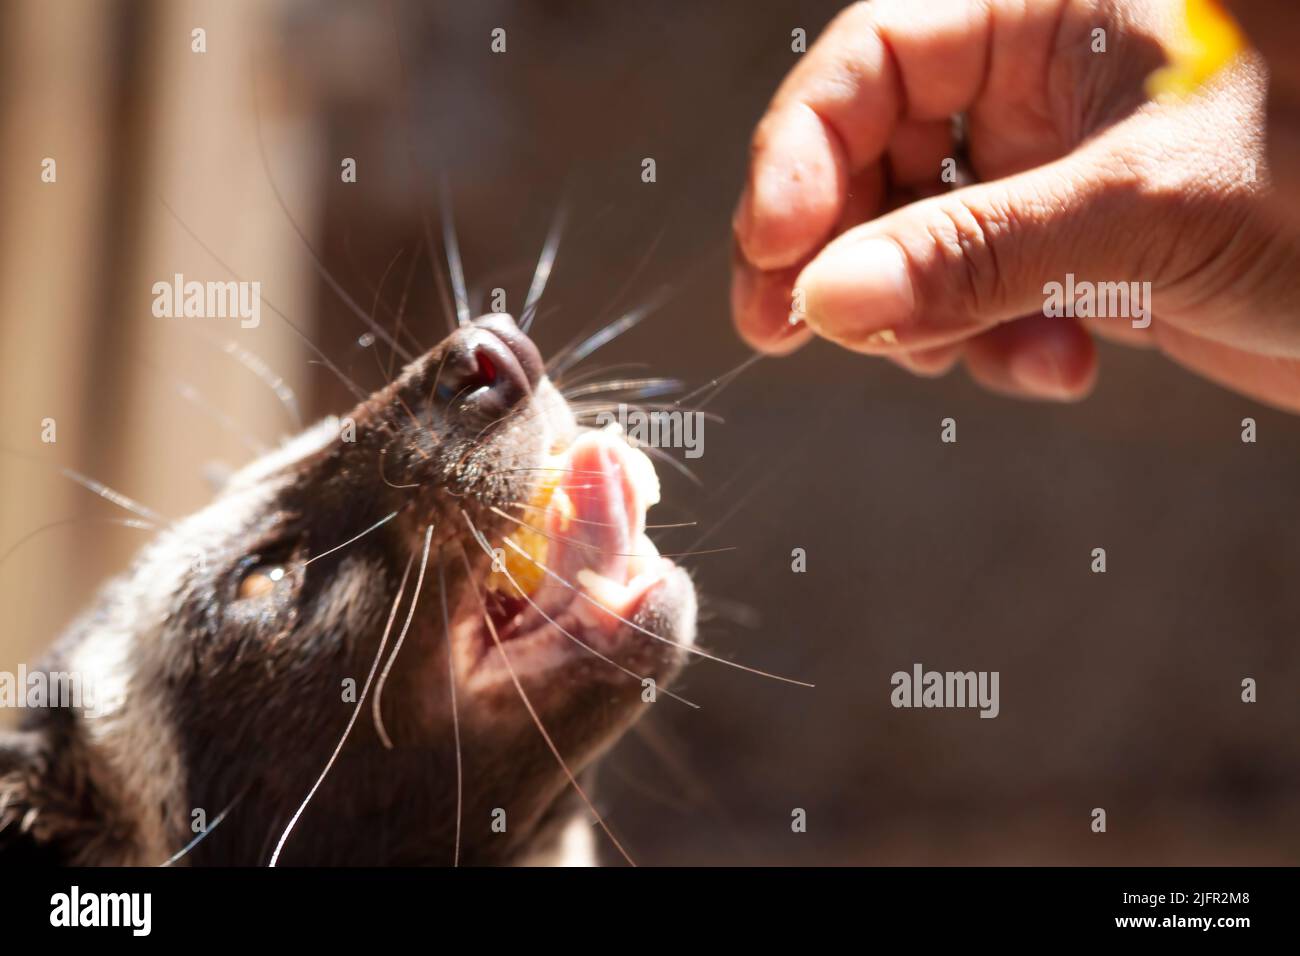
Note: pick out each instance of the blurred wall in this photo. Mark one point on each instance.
(136, 121)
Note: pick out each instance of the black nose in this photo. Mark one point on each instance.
(503, 326)
(489, 368)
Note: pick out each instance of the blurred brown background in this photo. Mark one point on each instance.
(1119, 690)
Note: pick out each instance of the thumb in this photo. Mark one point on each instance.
(944, 269)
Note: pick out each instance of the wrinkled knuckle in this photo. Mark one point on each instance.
(967, 240)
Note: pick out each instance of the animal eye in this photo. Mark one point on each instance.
(260, 580)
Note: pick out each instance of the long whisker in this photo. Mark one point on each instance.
(325, 359)
(604, 524)
(487, 549)
(498, 278)
(97, 487)
(399, 330)
(388, 665)
(591, 547)
(543, 272)
(722, 381)
(472, 446)
(312, 255)
(571, 357)
(455, 709)
(454, 264)
(413, 177)
(374, 310)
(192, 395)
(216, 822)
(602, 414)
(415, 420)
(387, 373)
(532, 712)
(689, 648)
(680, 467)
(649, 387)
(268, 376)
(512, 413)
(383, 455)
(636, 270)
(567, 471)
(338, 547)
(592, 408)
(123, 522)
(383, 642)
(741, 502)
(563, 359)
(116, 497)
(588, 374)
(401, 317)
(812, 438)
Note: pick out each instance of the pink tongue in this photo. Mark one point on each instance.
(601, 533)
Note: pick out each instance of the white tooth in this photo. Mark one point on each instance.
(646, 556)
(642, 474)
(602, 590)
(562, 508)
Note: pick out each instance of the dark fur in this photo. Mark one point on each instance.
(251, 691)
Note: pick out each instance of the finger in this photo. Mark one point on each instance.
(1274, 381)
(1052, 359)
(836, 111)
(761, 306)
(917, 153)
(1272, 27)
(1122, 332)
(863, 199)
(949, 267)
(930, 363)
(795, 190)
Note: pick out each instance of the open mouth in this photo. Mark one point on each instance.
(575, 563)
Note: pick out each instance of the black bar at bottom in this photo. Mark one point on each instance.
(593, 907)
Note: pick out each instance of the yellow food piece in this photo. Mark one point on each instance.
(531, 540)
(1207, 42)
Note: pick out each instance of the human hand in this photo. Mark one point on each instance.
(1080, 175)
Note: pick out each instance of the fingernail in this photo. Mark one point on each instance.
(858, 292)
